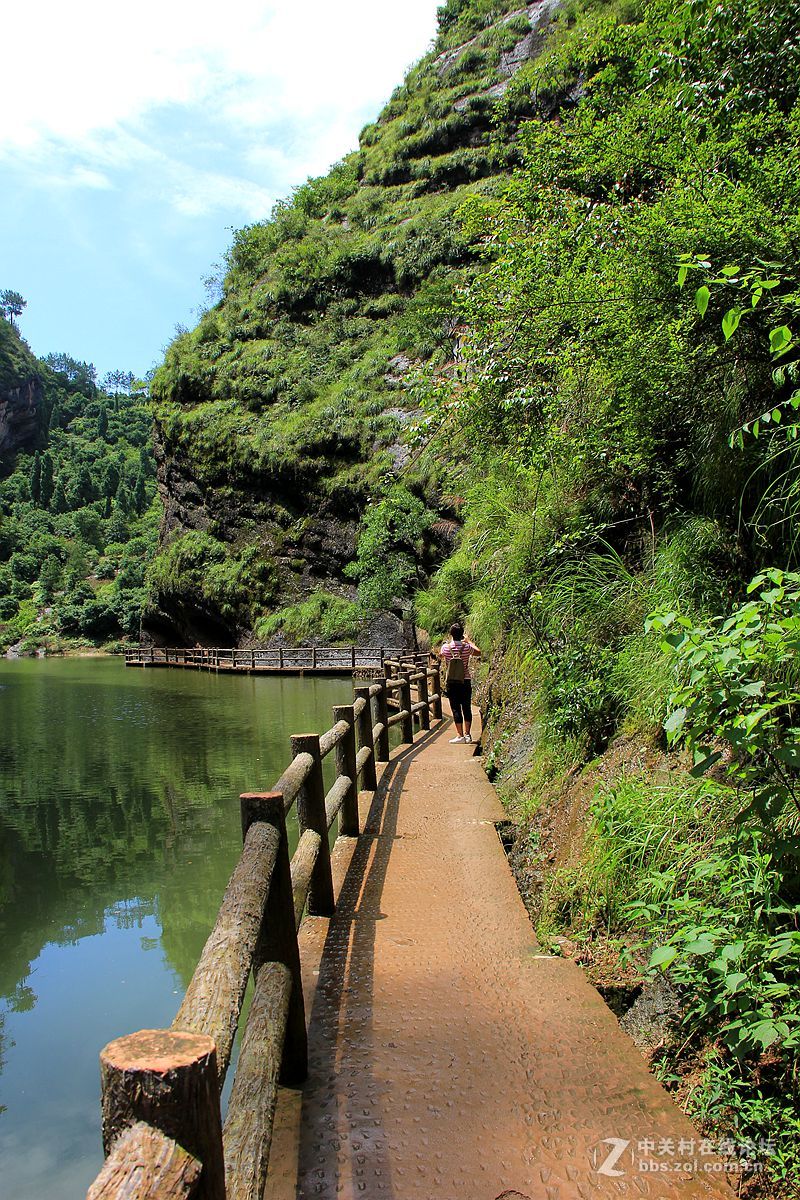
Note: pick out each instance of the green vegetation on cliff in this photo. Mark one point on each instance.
(284, 413)
(624, 401)
(78, 513)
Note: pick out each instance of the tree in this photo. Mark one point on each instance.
(80, 375)
(59, 501)
(117, 528)
(102, 423)
(391, 543)
(81, 490)
(36, 478)
(50, 577)
(139, 495)
(123, 499)
(46, 480)
(11, 304)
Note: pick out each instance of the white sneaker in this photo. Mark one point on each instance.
(468, 738)
(455, 741)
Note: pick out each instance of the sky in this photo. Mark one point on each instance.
(135, 138)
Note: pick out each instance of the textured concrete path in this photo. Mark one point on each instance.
(448, 1057)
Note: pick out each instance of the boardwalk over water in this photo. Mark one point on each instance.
(289, 660)
(427, 1047)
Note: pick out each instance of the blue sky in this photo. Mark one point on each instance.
(134, 141)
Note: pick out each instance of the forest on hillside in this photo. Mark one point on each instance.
(79, 515)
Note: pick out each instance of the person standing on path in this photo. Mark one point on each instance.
(457, 654)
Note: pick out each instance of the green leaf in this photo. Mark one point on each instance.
(701, 298)
(780, 338)
(663, 956)
(730, 271)
(674, 723)
(730, 322)
(682, 273)
(702, 945)
(734, 981)
(703, 762)
(764, 1032)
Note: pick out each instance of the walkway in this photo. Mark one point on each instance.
(449, 1059)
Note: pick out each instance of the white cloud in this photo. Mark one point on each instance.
(98, 83)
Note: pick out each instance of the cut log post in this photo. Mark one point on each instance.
(381, 717)
(168, 1080)
(422, 687)
(345, 758)
(407, 724)
(278, 940)
(311, 815)
(437, 688)
(369, 779)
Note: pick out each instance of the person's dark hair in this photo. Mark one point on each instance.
(457, 632)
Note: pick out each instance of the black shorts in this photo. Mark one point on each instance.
(459, 693)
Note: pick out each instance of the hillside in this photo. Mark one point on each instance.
(287, 410)
(78, 511)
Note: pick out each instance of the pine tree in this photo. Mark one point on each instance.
(59, 502)
(139, 494)
(123, 499)
(46, 480)
(50, 577)
(102, 423)
(36, 478)
(117, 529)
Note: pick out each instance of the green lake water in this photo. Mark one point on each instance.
(119, 827)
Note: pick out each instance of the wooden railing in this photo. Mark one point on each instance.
(162, 1127)
(279, 658)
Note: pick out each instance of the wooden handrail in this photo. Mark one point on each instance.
(255, 934)
(278, 658)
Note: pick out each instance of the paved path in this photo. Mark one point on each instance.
(449, 1059)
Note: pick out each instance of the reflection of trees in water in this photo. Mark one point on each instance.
(117, 785)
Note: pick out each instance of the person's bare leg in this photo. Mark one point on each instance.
(459, 728)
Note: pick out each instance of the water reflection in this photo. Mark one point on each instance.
(118, 831)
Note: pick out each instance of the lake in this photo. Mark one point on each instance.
(119, 827)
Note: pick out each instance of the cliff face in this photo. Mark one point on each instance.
(21, 393)
(19, 415)
(287, 410)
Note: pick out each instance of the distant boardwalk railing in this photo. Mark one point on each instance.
(280, 658)
(162, 1126)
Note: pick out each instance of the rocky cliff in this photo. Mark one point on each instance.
(287, 411)
(21, 393)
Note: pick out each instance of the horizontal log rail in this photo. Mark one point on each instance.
(162, 1126)
(289, 659)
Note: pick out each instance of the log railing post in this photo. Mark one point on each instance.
(437, 688)
(311, 815)
(169, 1080)
(278, 939)
(280, 657)
(407, 723)
(422, 688)
(313, 658)
(345, 757)
(381, 714)
(369, 779)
